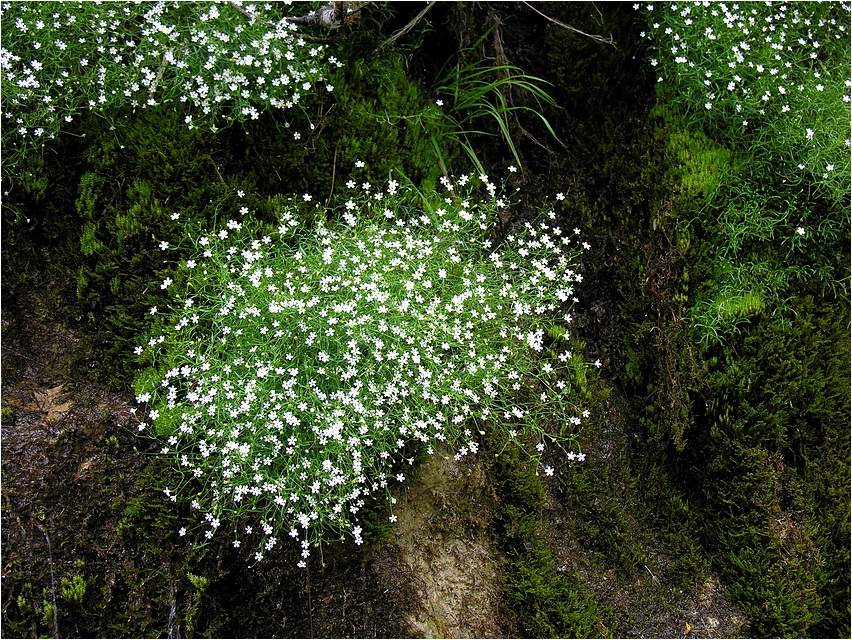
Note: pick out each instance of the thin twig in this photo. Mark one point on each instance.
(600, 15)
(652, 575)
(159, 77)
(594, 37)
(333, 171)
(401, 32)
(221, 179)
(532, 137)
(248, 15)
(52, 582)
(310, 605)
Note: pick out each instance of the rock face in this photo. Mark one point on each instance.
(442, 533)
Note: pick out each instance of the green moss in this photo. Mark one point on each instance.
(73, 590)
(544, 602)
(770, 464)
(699, 163)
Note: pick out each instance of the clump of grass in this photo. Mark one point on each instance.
(296, 372)
(479, 93)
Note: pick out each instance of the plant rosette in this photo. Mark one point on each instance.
(297, 372)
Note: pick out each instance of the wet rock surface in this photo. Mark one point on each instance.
(443, 536)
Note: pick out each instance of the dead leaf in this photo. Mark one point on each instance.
(49, 403)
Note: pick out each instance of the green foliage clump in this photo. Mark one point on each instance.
(292, 375)
(387, 121)
(700, 163)
(141, 184)
(60, 59)
(762, 240)
(770, 78)
(482, 92)
(771, 195)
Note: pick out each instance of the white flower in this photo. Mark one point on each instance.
(439, 102)
(800, 231)
(548, 471)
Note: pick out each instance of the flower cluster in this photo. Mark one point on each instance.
(774, 74)
(227, 60)
(297, 372)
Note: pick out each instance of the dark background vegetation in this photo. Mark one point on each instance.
(728, 460)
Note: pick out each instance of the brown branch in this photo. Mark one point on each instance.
(594, 37)
(401, 32)
(248, 15)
